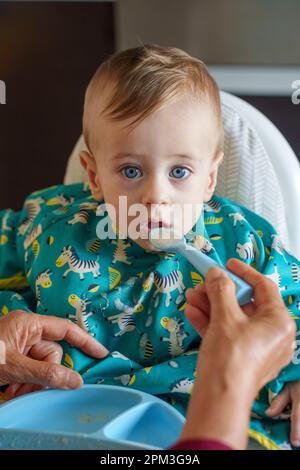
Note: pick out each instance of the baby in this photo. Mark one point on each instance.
(153, 129)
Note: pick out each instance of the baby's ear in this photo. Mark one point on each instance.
(87, 161)
(219, 158)
(212, 177)
(89, 164)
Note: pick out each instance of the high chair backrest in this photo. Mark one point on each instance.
(259, 169)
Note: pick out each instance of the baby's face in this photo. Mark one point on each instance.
(166, 163)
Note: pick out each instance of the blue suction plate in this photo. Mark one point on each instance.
(100, 417)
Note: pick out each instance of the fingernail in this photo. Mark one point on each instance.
(296, 443)
(214, 273)
(105, 351)
(198, 286)
(74, 381)
(100, 350)
(2, 352)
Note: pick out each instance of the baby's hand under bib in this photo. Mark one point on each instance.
(289, 395)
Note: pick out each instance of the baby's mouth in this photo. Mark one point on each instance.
(146, 227)
(152, 224)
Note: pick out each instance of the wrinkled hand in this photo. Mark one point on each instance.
(290, 394)
(32, 355)
(253, 342)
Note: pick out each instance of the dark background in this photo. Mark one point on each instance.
(48, 53)
(283, 113)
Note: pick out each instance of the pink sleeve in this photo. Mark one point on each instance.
(200, 444)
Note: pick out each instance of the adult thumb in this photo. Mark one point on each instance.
(27, 370)
(221, 293)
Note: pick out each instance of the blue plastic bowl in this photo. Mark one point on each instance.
(100, 417)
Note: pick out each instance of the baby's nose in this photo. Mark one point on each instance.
(155, 192)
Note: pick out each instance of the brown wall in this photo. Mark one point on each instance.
(252, 32)
(48, 52)
(248, 32)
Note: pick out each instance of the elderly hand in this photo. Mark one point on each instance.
(258, 337)
(30, 354)
(242, 349)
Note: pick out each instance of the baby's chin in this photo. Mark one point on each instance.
(146, 244)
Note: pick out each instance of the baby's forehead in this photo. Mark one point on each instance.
(178, 127)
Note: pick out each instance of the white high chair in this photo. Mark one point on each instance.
(259, 169)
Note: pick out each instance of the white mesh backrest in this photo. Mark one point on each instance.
(246, 174)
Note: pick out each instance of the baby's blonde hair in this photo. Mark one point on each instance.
(138, 81)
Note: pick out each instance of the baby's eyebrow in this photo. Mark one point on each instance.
(119, 156)
(185, 156)
(122, 155)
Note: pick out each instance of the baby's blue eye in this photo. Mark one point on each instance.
(179, 172)
(131, 172)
